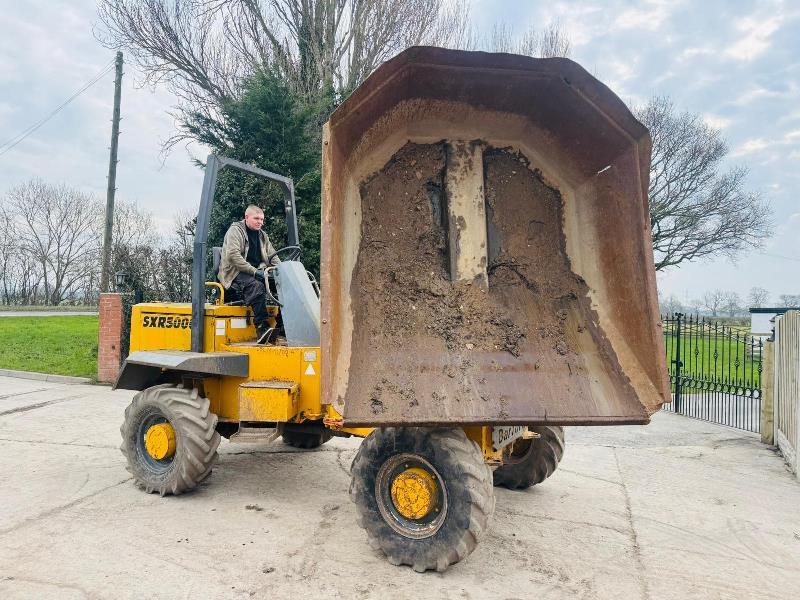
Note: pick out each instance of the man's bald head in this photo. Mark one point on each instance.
(254, 217)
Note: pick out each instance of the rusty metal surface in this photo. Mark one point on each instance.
(583, 141)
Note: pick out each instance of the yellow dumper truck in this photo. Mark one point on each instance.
(487, 278)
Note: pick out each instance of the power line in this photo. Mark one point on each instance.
(9, 144)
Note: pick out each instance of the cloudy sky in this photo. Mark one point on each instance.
(47, 52)
(737, 63)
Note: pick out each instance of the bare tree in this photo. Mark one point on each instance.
(158, 266)
(669, 305)
(712, 301)
(549, 42)
(133, 226)
(697, 209)
(7, 254)
(49, 248)
(57, 228)
(789, 300)
(731, 303)
(135, 240)
(758, 297)
(176, 257)
(19, 274)
(204, 49)
(694, 305)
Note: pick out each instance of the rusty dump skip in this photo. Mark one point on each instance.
(486, 255)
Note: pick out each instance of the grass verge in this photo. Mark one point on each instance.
(56, 345)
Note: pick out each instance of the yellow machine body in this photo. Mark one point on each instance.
(283, 385)
(533, 296)
(486, 266)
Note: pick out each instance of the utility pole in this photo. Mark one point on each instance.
(112, 179)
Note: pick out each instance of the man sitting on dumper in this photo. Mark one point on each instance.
(246, 253)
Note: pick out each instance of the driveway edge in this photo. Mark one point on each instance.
(43, 376)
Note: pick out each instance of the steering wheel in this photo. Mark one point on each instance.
(293, 253)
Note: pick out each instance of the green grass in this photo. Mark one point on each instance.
(702, 364)
(55, 345)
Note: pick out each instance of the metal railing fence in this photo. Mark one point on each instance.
(715, 371)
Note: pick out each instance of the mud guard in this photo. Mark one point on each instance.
(143, 369)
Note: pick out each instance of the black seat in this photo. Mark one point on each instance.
(231, 295)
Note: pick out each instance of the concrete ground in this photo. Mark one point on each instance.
(679, 509)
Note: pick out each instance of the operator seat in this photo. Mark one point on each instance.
(231, 295)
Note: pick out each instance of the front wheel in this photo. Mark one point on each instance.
(169, 439)
(424, 496)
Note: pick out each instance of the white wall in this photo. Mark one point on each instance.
(760, 323)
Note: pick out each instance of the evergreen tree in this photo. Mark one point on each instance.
(266, 127)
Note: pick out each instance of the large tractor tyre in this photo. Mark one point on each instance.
(424, 496)
(169, 439)
(532, 461)
(306, 437)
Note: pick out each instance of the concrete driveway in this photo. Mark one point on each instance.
(679, 509)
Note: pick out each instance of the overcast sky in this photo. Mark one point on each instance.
(737, 63)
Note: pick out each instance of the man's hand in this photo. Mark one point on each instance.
(259, 274)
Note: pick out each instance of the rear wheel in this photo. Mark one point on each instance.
(424, 496)
(532, 460)
(169, 439)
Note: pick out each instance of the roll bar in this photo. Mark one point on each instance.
(214, 164)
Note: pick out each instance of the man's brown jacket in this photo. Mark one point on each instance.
(234, 253)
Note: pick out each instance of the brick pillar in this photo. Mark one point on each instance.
(110, 338)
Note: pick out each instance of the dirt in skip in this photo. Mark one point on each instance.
(528, 264)
(426, 348)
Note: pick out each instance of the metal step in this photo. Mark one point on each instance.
(255, 435)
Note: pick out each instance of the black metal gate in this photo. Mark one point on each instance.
(714, 370)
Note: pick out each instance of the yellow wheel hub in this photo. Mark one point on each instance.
(415, 493)
(159, 441)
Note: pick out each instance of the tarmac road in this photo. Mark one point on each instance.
(678, 509)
